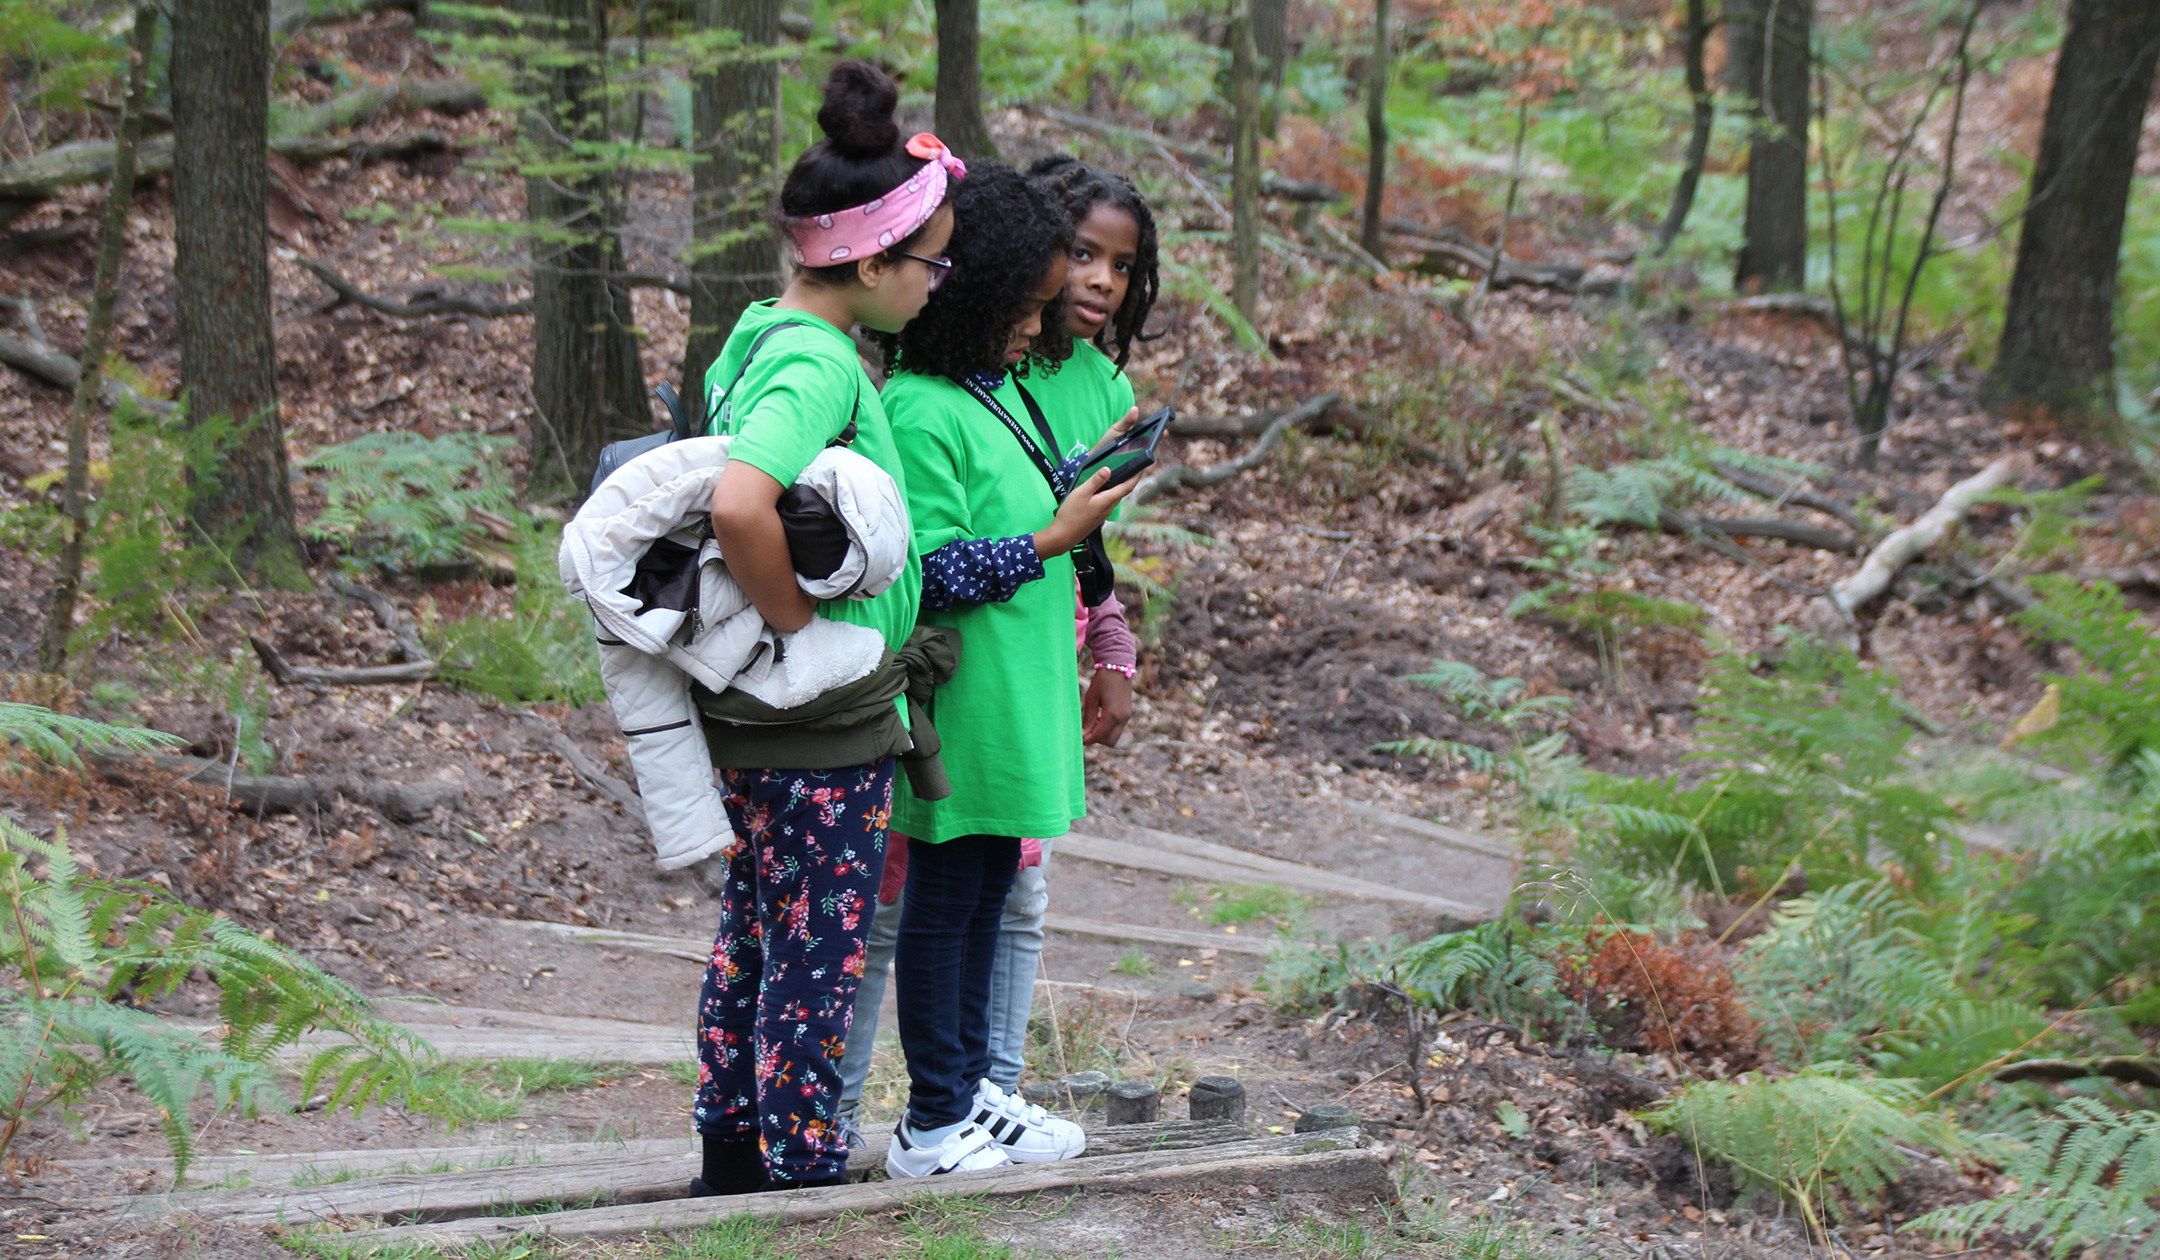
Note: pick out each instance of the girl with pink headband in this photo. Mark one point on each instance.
(867, 218)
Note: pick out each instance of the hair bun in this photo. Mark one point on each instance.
(1046, 166)
(857, 116)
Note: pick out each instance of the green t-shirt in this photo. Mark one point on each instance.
(796, 397)
(1082, 399)
(1010, 717)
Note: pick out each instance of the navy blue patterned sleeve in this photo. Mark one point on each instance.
(978, 571)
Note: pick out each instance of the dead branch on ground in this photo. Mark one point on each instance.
(1182, 477)
(31, 356)
(427, 302)
(289, 674)
(1832, 615)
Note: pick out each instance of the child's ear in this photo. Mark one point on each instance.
(871, 271)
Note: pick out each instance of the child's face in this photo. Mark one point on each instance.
(1029, 328)
(895, 288)
(1106, 243)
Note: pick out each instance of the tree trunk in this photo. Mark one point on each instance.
(1770, 57)
(588, 385)
(221, 277)
(2058, 348)
(733, 260)
(1244, 166)
(1698, 150)
(1271, 40)
(97, 334)
(959, 81)
(1376, 136)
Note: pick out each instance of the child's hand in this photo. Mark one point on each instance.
(1106, 708)
(1082, 512)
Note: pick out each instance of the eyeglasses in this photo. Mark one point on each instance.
(939, 267)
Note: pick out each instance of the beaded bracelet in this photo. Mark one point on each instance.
(1127, 670)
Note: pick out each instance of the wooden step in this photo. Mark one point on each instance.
(687, 947)
(623, 1177)
(283, 1168)
(1145, 849)
(1335, 1164)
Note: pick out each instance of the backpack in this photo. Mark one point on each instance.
(615, 454)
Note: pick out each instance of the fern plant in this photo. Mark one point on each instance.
(401, 501)
(1534, 757)
(60, 737)
(1825, 1137)
(83, 953)
(1486, 969)
(2089, 1178)
(544, 649)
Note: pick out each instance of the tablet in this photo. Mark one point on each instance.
(1129, 454)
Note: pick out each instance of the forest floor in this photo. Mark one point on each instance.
(1351, 559)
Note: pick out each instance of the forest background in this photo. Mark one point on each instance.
(1713, 447)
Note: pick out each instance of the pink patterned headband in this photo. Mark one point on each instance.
(860, 231)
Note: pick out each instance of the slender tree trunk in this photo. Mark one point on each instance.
(588, 385)
(1271, 40)
(734, 261)
(221, 274)
(1770, 39)
(1698, 150)
(97, 335)
(2058, 342)
(1244, 165)
(959, 80)
(1376, 135)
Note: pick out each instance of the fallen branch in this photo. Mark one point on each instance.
(35, 358)
(1832, 615)
(1795, 532)
(2141, 1069)
(388, 617)
(45, 175)
(582, 766)
(1450, 253)
(24, 242)
(427, 302)
(288, 674)
(1797, 495)
(261, 793)
(1182, 477)
(1674, 521)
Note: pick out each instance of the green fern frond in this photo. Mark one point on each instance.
(1821, 1137)
(2089, 1177)
(62, 737)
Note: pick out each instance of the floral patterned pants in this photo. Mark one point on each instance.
(780, 991)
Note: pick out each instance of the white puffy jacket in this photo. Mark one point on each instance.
(649, 659)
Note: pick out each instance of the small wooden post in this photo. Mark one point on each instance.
(1325, 1116)
(1217, 1098)
(1133, 1102)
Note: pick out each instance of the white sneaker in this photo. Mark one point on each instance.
(967, 1149)
(1029, 1134)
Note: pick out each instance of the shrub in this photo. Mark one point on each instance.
(1674, 998)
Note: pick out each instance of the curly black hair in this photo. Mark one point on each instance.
(1006, 234)
(860, 158)
(1080, 188)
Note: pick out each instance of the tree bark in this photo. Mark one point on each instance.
(1770, 57)
(97, 335)
(959, 114)
(221, 276)
(1271, 40)
(2058, 349)
(1244, 166)
(733, 261)
(1376, 135)
(1698, 150)
(588, 384)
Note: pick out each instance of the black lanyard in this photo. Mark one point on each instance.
(1054, 473)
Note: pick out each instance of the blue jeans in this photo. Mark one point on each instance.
(1012, 984)
(942, 965)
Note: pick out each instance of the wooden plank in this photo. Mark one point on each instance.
(1145, 849)
(264, 1166)
(1308, 1164)
(1077, 926)
(686, 947)
(625, 1176)
(1438, 833)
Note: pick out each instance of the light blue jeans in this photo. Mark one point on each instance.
(1012, 984)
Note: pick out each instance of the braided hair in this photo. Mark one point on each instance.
(1006, 234)
(1080, 188)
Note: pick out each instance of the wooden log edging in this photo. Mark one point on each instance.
(1333, 1165)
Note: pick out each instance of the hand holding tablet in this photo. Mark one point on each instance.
(1127, 454)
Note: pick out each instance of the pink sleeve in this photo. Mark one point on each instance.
(1109, 637)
